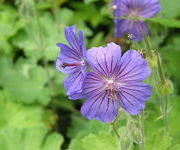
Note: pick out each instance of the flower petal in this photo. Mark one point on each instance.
(73, 83)
(67, 55)
(77, 43)
(103, 60)
(137, 28)
(133, 67)
(151, 8)
(132, 96)
(98, 106)
(74, 54)
(131, 27)
(122, 26)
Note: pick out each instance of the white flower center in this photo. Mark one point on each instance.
(134, 13)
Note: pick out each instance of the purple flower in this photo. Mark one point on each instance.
(134, 9)
(115, 82)
(72, 60)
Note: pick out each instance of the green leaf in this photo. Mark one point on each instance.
(16, 115)
(89, 1)
(29, 139)
(172, 23)
(97, 40)
(9, 25)
(41, 37)
(87, 12)
(170, 54)
(170, 9)
(159, 141)
(174, 120)
(89, 126)
(101, 140)
(24, 81)
(176, 147)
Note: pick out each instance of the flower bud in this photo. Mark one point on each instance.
(165, 88)
(152, 59)
(134, 132)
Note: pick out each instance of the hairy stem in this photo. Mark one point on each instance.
(142, 130)
(165, 112)
(117, 134)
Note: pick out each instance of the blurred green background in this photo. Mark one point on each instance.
(35, 113)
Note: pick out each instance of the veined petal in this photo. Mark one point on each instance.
(122, 26)
(98, 106)
(73, 83)
(131, 27)
(67, 55)
(134, 9)
(137, 30)
(70, 33)
(151, 8)
(132, 96)
(104, 60)
(133, 67)
(76, 43)
(92, 85)
(72, 59)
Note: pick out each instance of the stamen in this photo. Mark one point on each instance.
(112, 94)
(111, 89)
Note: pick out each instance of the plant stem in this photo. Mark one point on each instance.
(117, 134)
(142, 129)
(115, 131)
(165, 113)
(160, 69)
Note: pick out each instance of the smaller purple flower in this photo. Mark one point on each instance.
(72, 60)
(133, 9)
(116, 82)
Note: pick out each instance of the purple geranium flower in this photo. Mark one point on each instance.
(115, 82)
(72, 60)
(134, 9)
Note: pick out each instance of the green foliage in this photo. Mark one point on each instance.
(40, 39)
(88, 12)
(171, 56)
(8, 28)
(89, 1)
(24, 81)
(159, 140)
(91, 135)
(89, 126)
(29, 139)
(23, 127)
(100, 140)
(16, 115)
(166, 22)
(170, 9)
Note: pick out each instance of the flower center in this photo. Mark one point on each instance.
(111, 90)
(134, 13)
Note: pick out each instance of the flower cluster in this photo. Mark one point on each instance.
(129, 14)
(105, 77)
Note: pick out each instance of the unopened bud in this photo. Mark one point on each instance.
(134, 132)
(165, 88)
(152, 59)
